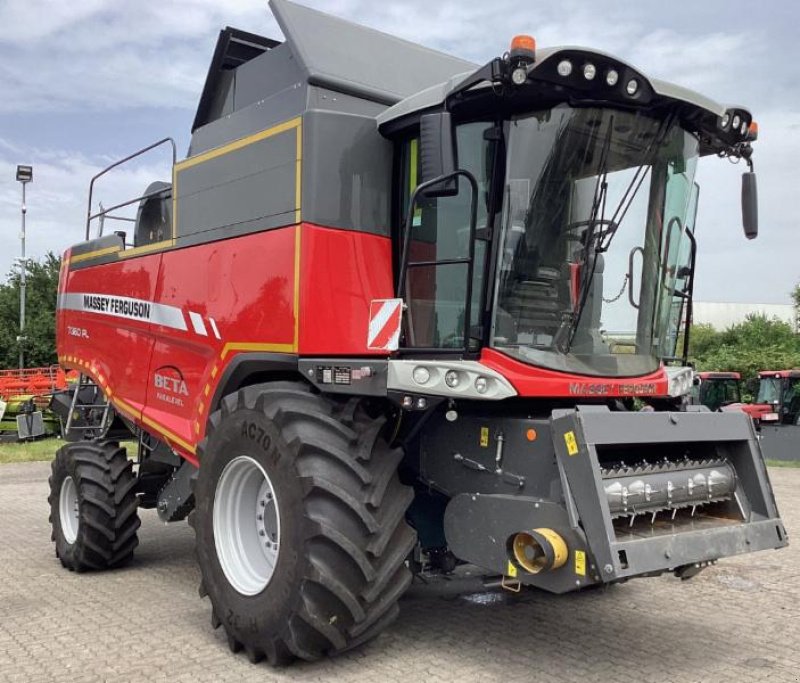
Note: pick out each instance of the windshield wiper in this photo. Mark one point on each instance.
(589, 250)
(605, 236)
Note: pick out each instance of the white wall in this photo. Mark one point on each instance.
(722, 315)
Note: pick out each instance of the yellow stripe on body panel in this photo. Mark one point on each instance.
(238, 144)
(97, 253)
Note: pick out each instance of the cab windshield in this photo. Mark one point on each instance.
(716, 393)
(594, 239)
(769, 390)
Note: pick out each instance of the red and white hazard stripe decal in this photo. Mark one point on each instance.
(385, 317)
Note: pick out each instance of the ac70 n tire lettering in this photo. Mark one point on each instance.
(342, 542)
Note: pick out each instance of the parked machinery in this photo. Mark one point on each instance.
(367, 328)
(777, 413)
(717, 390)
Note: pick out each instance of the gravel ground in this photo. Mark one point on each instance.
(737, 621)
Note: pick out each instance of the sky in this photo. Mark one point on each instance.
(86, 82)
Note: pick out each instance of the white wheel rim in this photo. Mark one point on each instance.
(68, 513)
(247, 525)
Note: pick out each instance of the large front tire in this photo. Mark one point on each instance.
(300, 524)
(93, 506)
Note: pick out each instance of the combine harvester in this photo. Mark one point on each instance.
(360, 334)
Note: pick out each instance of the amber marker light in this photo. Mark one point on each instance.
(523, 45)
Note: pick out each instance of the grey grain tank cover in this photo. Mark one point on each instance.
(360, 61)
(234, 48)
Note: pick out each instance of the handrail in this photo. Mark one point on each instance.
(469, 260)
(89, 216)
(119, 206)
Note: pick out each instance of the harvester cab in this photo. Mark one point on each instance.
(393, 313)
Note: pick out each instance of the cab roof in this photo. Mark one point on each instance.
(783, 374)
(543, 70)
(719, 375)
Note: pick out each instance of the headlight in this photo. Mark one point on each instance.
(632, 87)
(452, 379)
(421, 374)
(481, 385)
(519, 75)
(589, 71)
(564, 68)
(612, 77)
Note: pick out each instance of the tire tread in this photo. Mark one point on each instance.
(355, 570)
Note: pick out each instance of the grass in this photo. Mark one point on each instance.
(43, 449)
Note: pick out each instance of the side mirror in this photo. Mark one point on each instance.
(749, 205)
(437, 153)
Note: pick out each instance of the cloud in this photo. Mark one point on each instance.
(137, 63)
(112, 55)
(765, 270)
(57, 198)
(105, 54)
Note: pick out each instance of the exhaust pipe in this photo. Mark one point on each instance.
(539, 550)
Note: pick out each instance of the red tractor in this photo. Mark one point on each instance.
(778, 400)
(368, 329)
(718, 390)
(777, 413)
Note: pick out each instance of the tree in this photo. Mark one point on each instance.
(758, 343)
(40, 312)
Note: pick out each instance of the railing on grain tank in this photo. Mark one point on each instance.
(105, 214)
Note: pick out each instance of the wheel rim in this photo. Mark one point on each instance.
(68, 510)
(246, 525)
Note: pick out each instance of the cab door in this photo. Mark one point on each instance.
(436, 282)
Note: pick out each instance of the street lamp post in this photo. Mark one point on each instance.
(24, 176)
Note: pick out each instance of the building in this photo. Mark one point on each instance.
(722, 315)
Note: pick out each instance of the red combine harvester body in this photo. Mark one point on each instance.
(390, 316)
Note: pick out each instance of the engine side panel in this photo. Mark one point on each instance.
(342, 271)
(157, 331)
(105, 335)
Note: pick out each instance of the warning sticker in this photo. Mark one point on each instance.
(572, 443)
(385, 319)
(580, 563)
(484, 437)
(511, 570)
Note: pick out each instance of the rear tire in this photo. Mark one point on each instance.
(338, 521)
(93, 506)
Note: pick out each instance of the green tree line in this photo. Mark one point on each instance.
(40, 314)
(758, 343)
